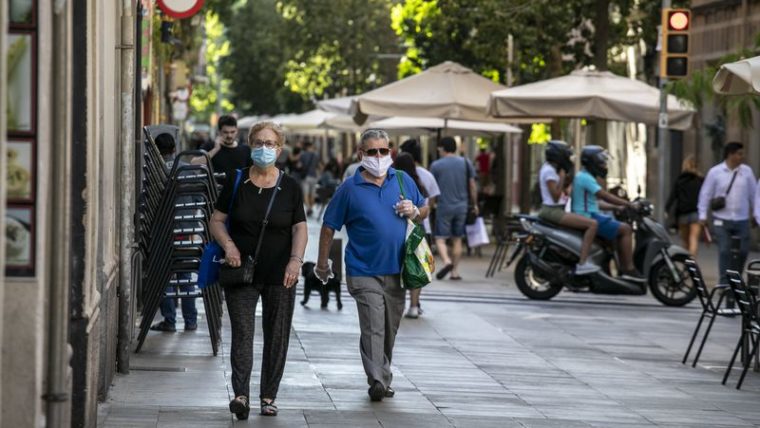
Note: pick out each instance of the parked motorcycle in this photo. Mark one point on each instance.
(549, 253)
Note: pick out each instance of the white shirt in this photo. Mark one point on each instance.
(757, 203)
(546, 174)
(739, 200)
(432, 189)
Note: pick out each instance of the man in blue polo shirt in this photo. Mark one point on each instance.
(375, 214)
(586, 190)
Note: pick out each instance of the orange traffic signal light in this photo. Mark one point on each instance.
(674, 52)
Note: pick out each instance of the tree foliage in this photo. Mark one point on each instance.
(339, 47)
(256, 64)
(206, 95)
(551, 37)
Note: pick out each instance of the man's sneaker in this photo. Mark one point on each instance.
(585, 268)
(191, 327)
(376, 391)
(413, 312)
(633, 276)
(164, 326)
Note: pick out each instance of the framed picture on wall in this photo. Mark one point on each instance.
(21, 89)
(22, 12)
(19, 240)
(20, 178)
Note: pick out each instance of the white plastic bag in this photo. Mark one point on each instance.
(477, 234)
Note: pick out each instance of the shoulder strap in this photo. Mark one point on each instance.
(238, 178)
(467, 178)
(731, 184)
(400, 182)
(266, 215)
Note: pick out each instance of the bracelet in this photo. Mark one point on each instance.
(293, 256)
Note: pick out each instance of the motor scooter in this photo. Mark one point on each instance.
(548, 254)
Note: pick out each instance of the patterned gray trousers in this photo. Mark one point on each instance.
(380, 304)
(278, 303)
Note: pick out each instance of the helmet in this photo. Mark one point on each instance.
(594, 159)
(559, 153)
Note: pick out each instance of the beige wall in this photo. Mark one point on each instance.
(3, 82)
(24, 326)
(25, 302)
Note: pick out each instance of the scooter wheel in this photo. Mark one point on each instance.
(531, 284)
(664, 287)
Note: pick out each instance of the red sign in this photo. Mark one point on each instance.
(180, 9)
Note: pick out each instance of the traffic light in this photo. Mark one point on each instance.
(674, 52)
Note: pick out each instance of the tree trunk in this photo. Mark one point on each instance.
(601, 40)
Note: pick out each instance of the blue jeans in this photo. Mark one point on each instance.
(723, 235)
(169, 308)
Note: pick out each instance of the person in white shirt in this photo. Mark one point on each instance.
(430, 190)
(728, 191)
(552, 182)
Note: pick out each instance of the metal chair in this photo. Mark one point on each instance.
(747, 304)
(710, 309)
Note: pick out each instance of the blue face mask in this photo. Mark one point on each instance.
(263, 156)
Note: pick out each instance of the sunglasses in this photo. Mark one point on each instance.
(373, 152)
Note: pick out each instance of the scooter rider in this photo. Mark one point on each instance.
(586, 190)
(552, 182)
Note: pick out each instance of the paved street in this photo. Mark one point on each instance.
(481, 356)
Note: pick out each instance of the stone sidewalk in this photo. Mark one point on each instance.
(481, 356)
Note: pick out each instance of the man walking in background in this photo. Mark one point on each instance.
(226, 154)
(456, 178)
(728, 191)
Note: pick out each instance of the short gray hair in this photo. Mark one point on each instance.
(374, 134)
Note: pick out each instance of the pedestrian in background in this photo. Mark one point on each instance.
(405, 162)
(167, 148)
(429, 188)
(310, 176)
(454, 175)
(483, 160)
(226, 154)
(728, 191)
(683, 199)
(371, 207)
(276, 270)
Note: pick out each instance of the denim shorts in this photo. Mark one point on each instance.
(686, 219)
(608, 227)
(449, 224)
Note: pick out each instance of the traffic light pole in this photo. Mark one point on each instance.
(662, 143)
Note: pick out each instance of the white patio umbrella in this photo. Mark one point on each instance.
(740, 77)
(312, 119)
(340, 105)
(446, 91)
(589, 94)
(459, 127)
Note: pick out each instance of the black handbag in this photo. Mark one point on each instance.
(719, 202)
(471, 215)
(243, 275)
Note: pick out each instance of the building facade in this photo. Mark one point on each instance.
(720, 28)
(68, 205)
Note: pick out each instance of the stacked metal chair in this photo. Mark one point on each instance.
(505, 230)
(172, 228)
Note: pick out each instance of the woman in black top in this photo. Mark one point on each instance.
(684, 197)
(277, 267)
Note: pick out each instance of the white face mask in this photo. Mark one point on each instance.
(377, 167)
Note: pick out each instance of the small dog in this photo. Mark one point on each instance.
(311, 282)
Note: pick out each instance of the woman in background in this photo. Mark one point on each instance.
(684, 197)
(405, 162)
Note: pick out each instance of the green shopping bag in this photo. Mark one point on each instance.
(418, 263)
